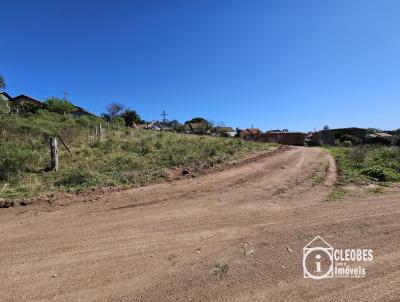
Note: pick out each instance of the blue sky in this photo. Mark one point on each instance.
(274, 64)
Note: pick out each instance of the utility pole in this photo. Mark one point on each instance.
(66, 95)
(164, 114)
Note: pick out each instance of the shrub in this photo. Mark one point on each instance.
(131, 117)
(380, 173)
(220, 268)
(349, 138)
(83, 120)
(15, 159)
(347, 143)
(28, 109)
(59, 105)
(4, 107)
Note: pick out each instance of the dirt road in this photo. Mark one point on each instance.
(159, 243)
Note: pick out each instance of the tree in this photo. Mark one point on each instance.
(326, 128)
(237, 132)
(115, 109)
(176, 126)
(2, 83)
(106, 116)
(131, 117)
(197, 120)
(210, 124)
(60, 106)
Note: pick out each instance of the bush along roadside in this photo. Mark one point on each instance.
(368, 163)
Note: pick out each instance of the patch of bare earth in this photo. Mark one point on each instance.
(233, 235)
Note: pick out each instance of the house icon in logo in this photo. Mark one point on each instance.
(313, 252)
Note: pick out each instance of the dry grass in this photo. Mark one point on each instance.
(220, 268)
(123, 158)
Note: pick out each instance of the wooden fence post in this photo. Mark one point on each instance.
(54, 154)
(95, 134)
(100, 132)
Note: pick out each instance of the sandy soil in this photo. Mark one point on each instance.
(159, 243)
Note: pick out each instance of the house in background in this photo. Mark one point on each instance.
(381, 138)
(4, 96)
(23, 100)
(229, 131)
(250, 133)
(285, 138)
(81, 112)
(154, 125)
(312, 139)
(332, 136)
(140, 126)
(196, 128)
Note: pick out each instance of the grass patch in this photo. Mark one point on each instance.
(220, 268)
(363, 164)
(377, 190)
(317, 179)
(248, 251)
(337, 194)
(125, 157)
(15, 158)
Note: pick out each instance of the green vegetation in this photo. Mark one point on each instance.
(60, 106)
(377, 190)
(123, 158)
(4, 107)
(337, 194)
(367, 163)
(317, 179)
(220, 268)
(198, 120)
(131, 117)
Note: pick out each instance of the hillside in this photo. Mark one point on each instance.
(124, 157)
